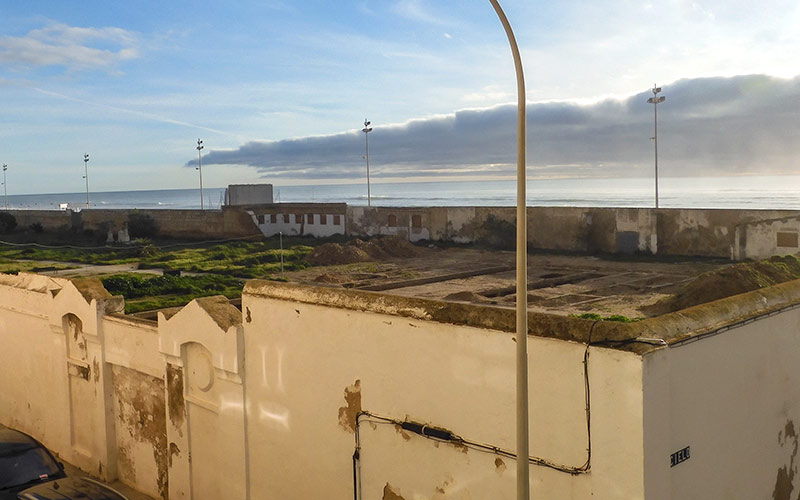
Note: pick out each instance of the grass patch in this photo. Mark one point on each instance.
(614, 317)
(242, 259)
(144, 293)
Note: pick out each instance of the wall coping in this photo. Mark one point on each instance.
(639, 337)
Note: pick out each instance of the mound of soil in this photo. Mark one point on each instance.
(728, 281)
(331, 254)
(357, 250)
(331, 278)
(372, 249)
(396, 247)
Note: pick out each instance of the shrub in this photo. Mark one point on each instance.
(37, 227)
(141, 225)
(7, 222)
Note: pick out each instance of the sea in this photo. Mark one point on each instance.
(742, 192)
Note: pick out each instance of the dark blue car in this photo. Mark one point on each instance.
(24, 462)
(71, 488)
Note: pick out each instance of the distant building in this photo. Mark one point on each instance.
(248, 194)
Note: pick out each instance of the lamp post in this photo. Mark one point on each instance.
(200, 169)
(367, 129)
(86, 175)
(5, 186)
(654, 101)
(523, 437)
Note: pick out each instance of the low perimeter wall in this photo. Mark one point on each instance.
(730, 234)
(313, 392)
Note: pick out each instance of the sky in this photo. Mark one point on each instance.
(278, 90)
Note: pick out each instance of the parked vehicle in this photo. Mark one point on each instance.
(71, 488)
(24, 462)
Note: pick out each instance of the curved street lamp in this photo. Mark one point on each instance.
(523, 467)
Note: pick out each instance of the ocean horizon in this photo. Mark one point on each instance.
(751, 192)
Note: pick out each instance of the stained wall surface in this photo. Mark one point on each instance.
(721, 233)
(272, 402)
(734, 401)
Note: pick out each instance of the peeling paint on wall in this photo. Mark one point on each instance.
(177, 405)
(784, 483)
(390, 493)
(500, 466)
(349, 412)
(174, 451)
(142, 413)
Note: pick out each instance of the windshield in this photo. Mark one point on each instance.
(33, 464)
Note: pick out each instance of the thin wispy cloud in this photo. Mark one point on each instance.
(70, 47)
(141, 114)
(743, 124)
(417, 10)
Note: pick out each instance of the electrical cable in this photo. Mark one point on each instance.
(443, 435)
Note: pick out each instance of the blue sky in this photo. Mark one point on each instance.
(278, 90)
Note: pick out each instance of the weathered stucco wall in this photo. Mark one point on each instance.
(136, 399)
(760, 239)
(734, 400)
(735, 234)
(308, 377)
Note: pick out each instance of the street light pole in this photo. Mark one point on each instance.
(86, 175)
(654, 101)
(523, 436)
(367, 129)
(200, 169)
(5, 186)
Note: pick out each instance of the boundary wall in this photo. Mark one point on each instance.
(419, 392)
(718, 233)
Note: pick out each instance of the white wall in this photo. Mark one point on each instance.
(303, 358)
(731, 399)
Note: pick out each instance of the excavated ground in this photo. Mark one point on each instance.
(557, 284)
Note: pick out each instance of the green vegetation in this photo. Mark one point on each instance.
(112, 255)
(498, 233)
(145, 293)
(141, 225)
(242, 259)
(7, 222)
(614, 317)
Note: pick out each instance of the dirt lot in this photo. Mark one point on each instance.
(556, 283)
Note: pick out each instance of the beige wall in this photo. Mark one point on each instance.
(306, 361)
(264, 401)
(734, 399)
(735, 234)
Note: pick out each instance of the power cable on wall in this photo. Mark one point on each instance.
(443, 435)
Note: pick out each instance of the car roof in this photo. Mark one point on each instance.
(13, 441)
(70, 488)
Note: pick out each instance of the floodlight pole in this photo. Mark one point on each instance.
(523, 437)
(5, 185)
(654, 101)
(367, 129)
(200, 169)
(86, 175)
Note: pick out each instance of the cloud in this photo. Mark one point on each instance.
(70, 47)
(416, 10)
(743, 124)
